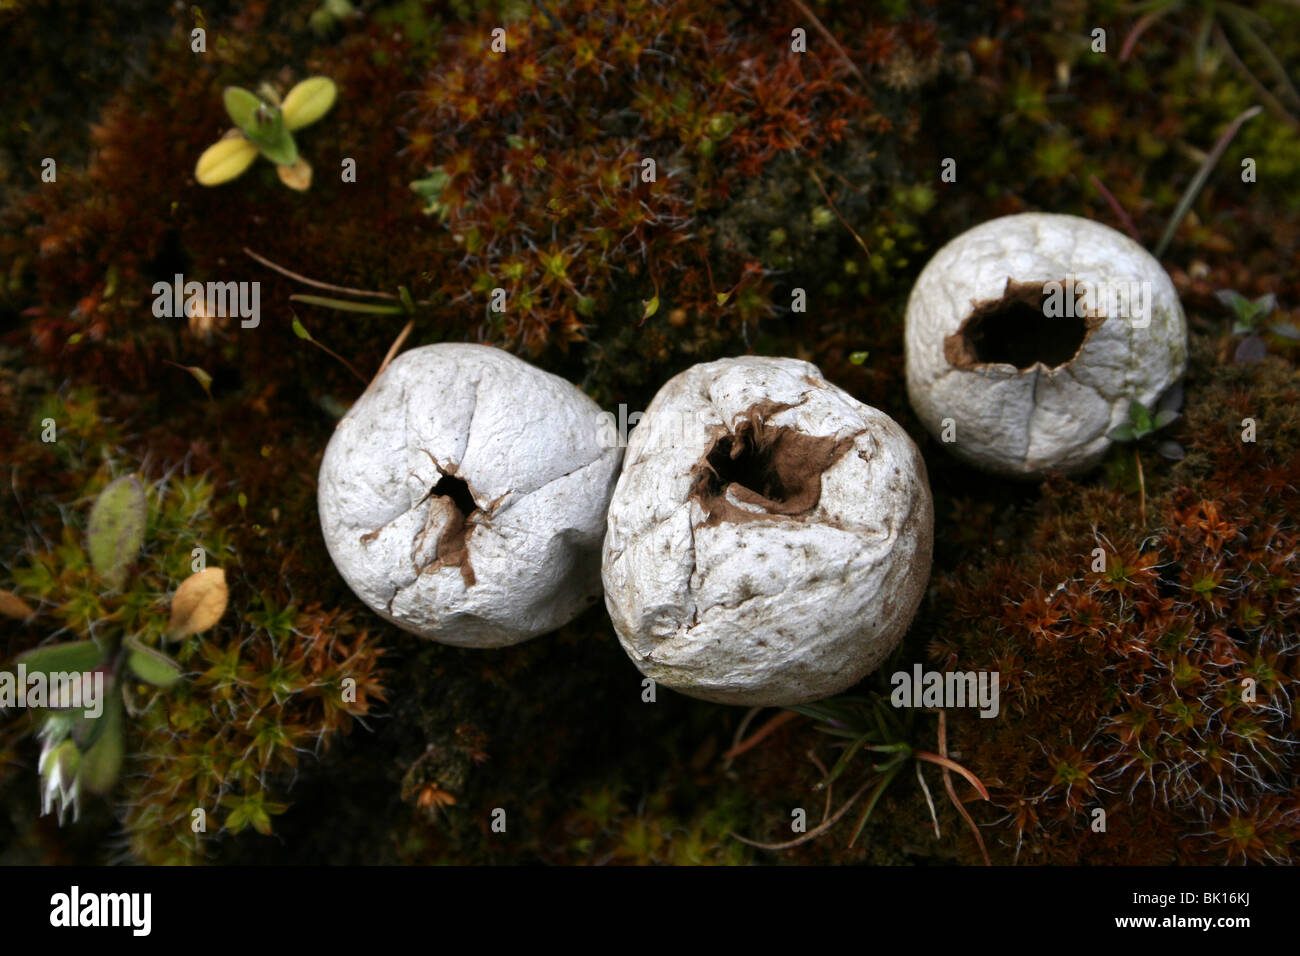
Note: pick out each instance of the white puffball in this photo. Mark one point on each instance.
(517, 447)
(769, 538)
(1019, 391)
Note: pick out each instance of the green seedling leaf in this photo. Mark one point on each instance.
(344, 305)
(308, 101)
(650, 307)
(1140, 417)
(1164, 417)
(300, 330)
(279, 149)
(224, 160)
(1286, 330)
(1172, 399)
(271, 137)
(115, 531)
(1265, 305)
(876, 793)
(199, 375)
(404, 295)
(202, 377)
(1172, 450)
(78, 656)
(241, 106)
(1251, 349)
(1232, 300)
(151, 666)
(101, 764)
(846, 758)
(857, 358)
(1123, 433)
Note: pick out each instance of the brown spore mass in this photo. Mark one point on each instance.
(453, 550)
(774, 467)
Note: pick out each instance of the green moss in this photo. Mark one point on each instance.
(770, 179)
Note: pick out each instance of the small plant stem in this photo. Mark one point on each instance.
(1198, 181)
(829, 37)
(777, 722)
(876, 794)
(1142, 487)
(329, 351)
(952, 791)
(830, 787)
(811, 834)
(1117, 209)
(949, 764)
(827, 196)
(1271, 101)
(343, 305)
(1240, 19)
(1138, 29)
(929, 800)
(314, 283)
(393, 349)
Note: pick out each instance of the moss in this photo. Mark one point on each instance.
(1123, 667)
(767, 183)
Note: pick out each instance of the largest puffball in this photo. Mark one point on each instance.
(463, 496)
(769, 539)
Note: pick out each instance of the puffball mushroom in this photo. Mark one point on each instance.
(463, 496)
(769, 538)
(1028, 336)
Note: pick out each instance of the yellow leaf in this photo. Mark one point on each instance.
(199, 603)
(224, 160)
(297, 176)
(308, 101)
(11, 605)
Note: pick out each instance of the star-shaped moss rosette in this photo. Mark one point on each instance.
(265, 125)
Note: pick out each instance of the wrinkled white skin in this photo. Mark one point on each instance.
(1026, 423)
(525, 441)
(780, 610)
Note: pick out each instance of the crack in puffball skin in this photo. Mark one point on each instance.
(1026, 423)
(527, 445)
(782, 608)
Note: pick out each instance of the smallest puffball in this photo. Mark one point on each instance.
(1029, 336)
(770, 536)
(463, 496)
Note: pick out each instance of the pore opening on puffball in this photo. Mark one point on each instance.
(1017, 330)
(453, 548)
(775, 469)
(449, 486)
(740, 460)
